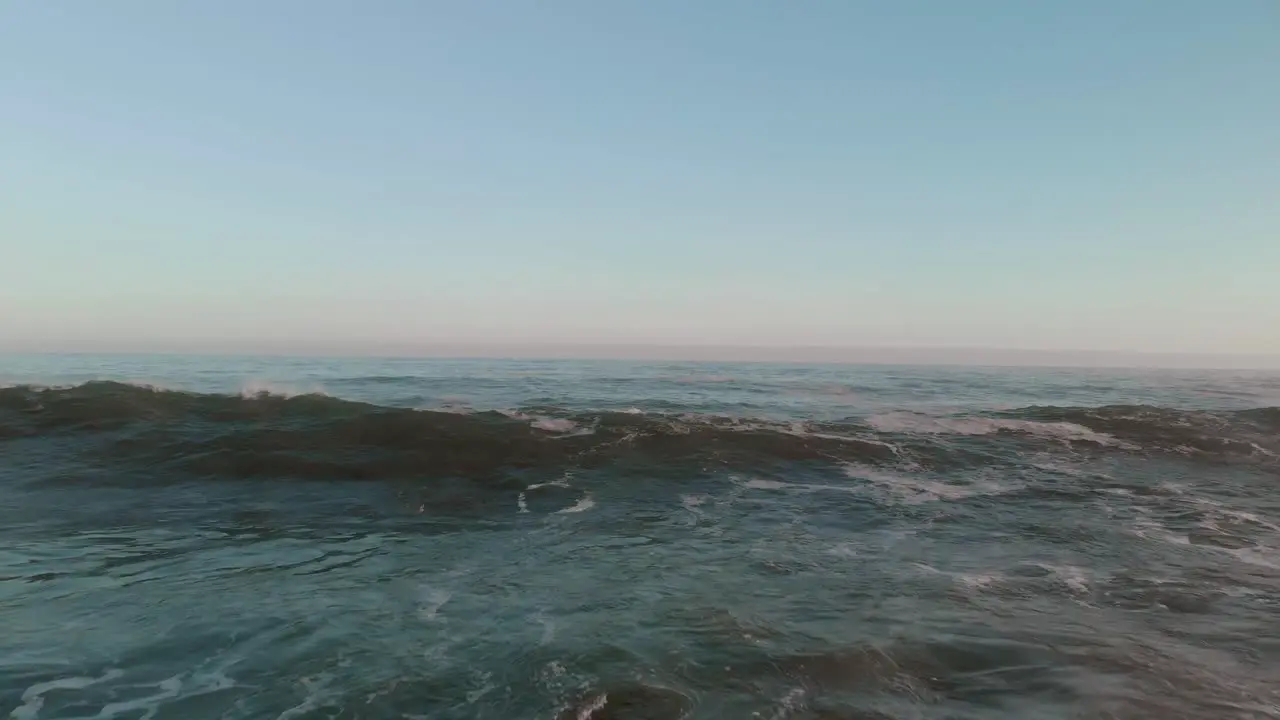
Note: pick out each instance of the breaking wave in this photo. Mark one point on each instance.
(314, 436)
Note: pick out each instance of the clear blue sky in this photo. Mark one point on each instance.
(1094, 174)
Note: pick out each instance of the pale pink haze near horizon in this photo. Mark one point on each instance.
(853, 355)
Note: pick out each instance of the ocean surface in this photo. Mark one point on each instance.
(185, 538)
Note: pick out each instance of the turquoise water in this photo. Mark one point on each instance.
(274, 538)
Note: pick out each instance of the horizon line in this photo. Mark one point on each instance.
(687, 352)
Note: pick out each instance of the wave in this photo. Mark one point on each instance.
(315, 436)
(323, 437)
(1240, 434)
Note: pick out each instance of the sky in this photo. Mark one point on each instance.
(341, 176)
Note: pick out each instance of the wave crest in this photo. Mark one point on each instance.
(315, 436)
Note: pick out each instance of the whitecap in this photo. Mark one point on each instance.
(555, 425)
(584, 504)
(913, 422)
(561, 483)
(597, 703)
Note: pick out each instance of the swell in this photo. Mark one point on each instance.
(171, 433)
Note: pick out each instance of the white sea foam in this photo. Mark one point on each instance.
(556, 425)
(167, 689)
(36, 386)
(33, 697)
(1074, 578)
(433, 599)
(563, 482)
(522, 500)
(451, 409)
(1259, 555)
(149, 385)
(803, 488)
(255, 388)
(970, 580)
(913, 489)
(1259, 450)
(908, 489)
(560, 426)
(1151, 530)
(590, 709)
(548, 627)
(801, 429)
(978, 581)
(791, 703)
(762, 484)
(1232, 516)
(584, 504)
(485, 685)
(318, 694)
(904, 488)
(913, 422)
(844, 550)
(693, 502)
(1051, 463)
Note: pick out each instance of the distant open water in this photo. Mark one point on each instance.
(189, 538)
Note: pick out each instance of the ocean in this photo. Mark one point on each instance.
(211, 537)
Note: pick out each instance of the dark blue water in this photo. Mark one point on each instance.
(268, 538)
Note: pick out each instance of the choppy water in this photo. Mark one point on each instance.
(233, 538)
